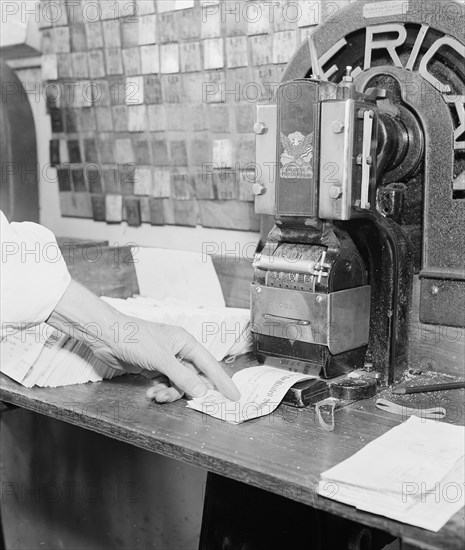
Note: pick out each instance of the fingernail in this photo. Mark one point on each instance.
(150, 393)
(162, 397)
(199, 390)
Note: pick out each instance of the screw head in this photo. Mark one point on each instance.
(319, 299)
(260, 128)
(434, 290)
(337, 127)
(258, 189)
(258, 290)
(335, 191)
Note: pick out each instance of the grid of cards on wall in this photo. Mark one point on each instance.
(152, 104)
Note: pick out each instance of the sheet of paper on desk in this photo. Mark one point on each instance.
(262, 390)
(414, 473)
(187, 277)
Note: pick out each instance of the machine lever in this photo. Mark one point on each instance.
(367, 160)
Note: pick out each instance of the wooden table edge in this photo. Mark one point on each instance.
(236, 471)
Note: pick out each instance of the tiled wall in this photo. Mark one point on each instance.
(152, 103)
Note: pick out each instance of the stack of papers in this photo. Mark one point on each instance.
(415, 473)
(55, 361)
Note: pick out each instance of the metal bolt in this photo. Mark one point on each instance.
(369, 161)
(258, 189)
(337, 127)
(335, 191)
(260, 128)
(258, 290)
(434, 290)
(348, 76)
(319, 299)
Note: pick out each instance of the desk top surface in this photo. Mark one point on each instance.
(284, 452)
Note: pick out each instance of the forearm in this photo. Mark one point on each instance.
(82, 315)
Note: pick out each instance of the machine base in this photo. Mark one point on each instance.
(306, 358)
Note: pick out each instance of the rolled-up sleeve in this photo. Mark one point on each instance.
(33, 273)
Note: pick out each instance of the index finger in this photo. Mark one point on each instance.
(205, 362)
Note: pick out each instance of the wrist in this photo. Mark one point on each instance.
(84, 316)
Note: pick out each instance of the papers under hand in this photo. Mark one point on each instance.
(414, 474)
(262, 390)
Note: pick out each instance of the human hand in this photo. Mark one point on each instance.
(154, 349)
(178, 361)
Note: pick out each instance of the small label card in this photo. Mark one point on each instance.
(96, 64)
(213, 53)
(98, 208)
(143, 181)
(147, 29)
(161, 185)
(236, 51)
(190, 57)
(150, 59)
(132, 207)
(169, 56)
(114, 208)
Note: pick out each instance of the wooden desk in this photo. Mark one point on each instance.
(283, 453)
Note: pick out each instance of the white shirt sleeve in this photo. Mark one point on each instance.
(33, 273)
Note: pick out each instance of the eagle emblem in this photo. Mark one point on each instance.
(296, 160)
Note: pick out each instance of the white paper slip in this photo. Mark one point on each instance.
(262, 390)
(414, 473)
(386, 8)
(188, 277)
